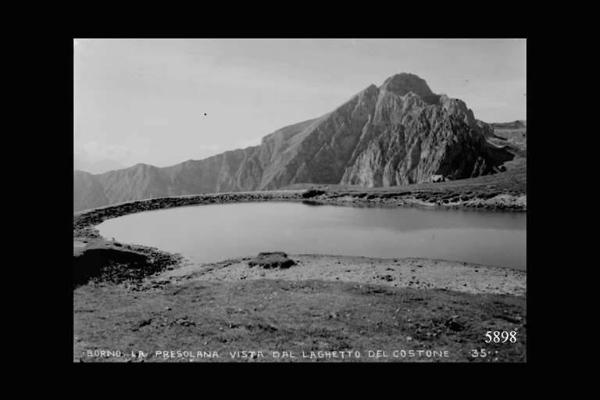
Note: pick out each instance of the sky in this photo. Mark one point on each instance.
(165, 101)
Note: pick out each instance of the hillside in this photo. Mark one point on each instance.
(89, 191)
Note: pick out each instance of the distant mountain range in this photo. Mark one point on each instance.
(96, 167)
(395, 134)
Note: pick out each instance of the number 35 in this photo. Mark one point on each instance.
(478, 353)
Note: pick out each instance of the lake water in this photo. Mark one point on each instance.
(207, 233)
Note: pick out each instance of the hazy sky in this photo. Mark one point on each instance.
(145, 100)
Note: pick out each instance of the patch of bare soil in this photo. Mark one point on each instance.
(418, 273)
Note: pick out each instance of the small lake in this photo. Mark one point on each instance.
(207, 233)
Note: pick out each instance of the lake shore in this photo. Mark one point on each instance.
(129, 297)
(87, 237)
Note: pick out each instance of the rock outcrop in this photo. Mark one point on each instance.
(395, 134)
(269, 260)
(417, 135)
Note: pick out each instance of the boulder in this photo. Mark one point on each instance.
(437, 178)
(312, 193)
(276, 259)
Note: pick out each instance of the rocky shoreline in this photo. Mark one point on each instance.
(88, 241)
(475, 199)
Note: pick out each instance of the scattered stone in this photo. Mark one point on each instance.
(513, 319)
(269, 260)
(453, 324)
(312, 193)
(184, 322)
(142, 324)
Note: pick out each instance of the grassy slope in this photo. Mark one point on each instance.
(274, 315)
(514, 181)
(514, 136)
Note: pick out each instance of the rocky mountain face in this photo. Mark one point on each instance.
(395, 134)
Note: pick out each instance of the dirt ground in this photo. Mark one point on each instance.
(417, 273)
(324, 309)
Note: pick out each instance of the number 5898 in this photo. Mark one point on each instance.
(500, 336)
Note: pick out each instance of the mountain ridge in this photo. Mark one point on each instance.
(398, 133)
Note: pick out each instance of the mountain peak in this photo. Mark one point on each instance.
(404, 82)
(396, 134)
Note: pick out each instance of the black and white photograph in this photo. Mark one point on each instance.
(299, 200)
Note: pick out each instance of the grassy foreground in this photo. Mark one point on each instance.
(310, 320)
